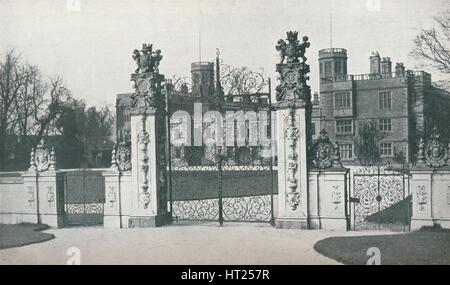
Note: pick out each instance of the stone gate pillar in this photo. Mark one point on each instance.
(148, 143)
(44, 186)
(293, 118)
(430, 184)
(327, 188)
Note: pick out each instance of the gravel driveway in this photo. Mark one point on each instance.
(177, 244)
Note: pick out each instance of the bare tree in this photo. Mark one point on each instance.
(11, 79)
(29, 105)
(432, 45)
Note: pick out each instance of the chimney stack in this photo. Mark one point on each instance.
(316, 98)
(169, 86)
(375, 63)
(386, 66)
(399, 69)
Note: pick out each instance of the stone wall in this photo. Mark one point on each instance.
(118, 199)
(28, 197)
(431, 198)
(17, 204)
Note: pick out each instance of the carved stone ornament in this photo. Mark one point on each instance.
(422, 197)
(323, 151)
(336, 197)
(435, 151)
(420, 152)
(336, 157)
(448, 195)
(146, 59)
(148, 91)
(50, 196)
(30, 196)
(293, 83)
(292, 135)
(143, 159)
(162, 173)
(292, 49)
(112, 196)
(293, 199)
(293, 75)
(42, 158)
(123, 157)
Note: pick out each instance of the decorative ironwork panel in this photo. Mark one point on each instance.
(84, 208)
(365, 190)
(84, 197)
(393, 211)
(206, 209)
(380, 198)
(251, 209)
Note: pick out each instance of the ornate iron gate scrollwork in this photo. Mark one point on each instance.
(84, 198)
(221, 183)
(380, 197)
(246, 193)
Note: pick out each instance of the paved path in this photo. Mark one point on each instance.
(178, 244)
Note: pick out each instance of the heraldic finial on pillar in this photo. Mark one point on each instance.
(293, 70)
(147, 79)
(42, 157)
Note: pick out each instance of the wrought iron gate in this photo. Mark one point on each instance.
(381, 198)
(84, 197)
(222, 192)
(222, 183)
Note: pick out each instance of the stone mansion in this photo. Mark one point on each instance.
(404, 103)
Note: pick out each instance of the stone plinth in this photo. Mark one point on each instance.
(327, 199)
(45, 195)
(292, 167)
(421, 198)
(430, 190)
(117, 200)
(440, 198)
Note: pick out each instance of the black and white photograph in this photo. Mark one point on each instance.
(229, 133)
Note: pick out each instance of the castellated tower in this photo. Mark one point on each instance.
(333, 62)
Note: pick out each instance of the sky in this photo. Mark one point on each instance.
(90, 42)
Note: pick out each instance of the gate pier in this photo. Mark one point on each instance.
(311, 180)
(430, 184)
(44, 187)
(293, 116)
(292, 166)
(148, 143)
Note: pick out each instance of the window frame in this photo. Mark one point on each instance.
(344, 133)
(350, 150)
(391, 149)
(325, 68)
(347, 100)
(382, 125)
(382, 100)
(338, 67)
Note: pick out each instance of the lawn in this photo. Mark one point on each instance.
(22, 234)
(426, 246)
